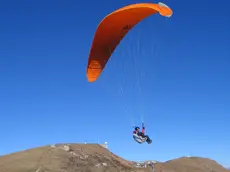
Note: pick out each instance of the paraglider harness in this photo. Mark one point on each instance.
(140, 137)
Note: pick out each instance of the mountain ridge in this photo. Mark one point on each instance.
(73, 157)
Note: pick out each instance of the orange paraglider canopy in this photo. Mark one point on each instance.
(113, 28)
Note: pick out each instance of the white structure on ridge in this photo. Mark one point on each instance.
(105, 145)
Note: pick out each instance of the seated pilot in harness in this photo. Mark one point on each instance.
(140, 137)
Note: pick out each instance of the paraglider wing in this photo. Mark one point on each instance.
(113, 28)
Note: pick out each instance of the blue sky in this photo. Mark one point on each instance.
(183, 97)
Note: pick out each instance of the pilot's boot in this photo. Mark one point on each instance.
(149, 141)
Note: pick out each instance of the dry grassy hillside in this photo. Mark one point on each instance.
(191, 164)
(63, 158)
(93, 158)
